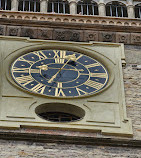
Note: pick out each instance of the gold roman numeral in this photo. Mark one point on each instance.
(40, 55)
(92, 65)
(59, 85)
(93, 84)
(61, 58)
(20, 70)
(58, 92)
(39, 88)
(100, 75)
(79, 91)
(56, 53)
(62, 53)
(24, 80)
(28, 61)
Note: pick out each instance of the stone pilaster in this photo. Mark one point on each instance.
(14, 5)
(73, 7)
(130, 9)
(101, 8)
(43, 6)
(131, 13)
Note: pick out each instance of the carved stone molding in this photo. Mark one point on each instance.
(71, 34)
(13, 31)
(90, 35)
(107, 36)
(68, 35)
(135, 38)
(123, 38)
(67, 18)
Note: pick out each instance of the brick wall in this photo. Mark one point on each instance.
(12, 149)
(132, 84)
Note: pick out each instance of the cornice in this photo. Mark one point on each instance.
(32, 18)
(79, 140)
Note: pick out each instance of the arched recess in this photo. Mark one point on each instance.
(116, 9)
(58, 6)
(138, 10)
(87, 7)
(5, 4)
(29, 5)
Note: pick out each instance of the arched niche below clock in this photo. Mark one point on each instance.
(60, 112)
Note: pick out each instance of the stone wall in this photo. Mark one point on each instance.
(132, 84)
(50, 149)
(103, 29)
(99, 33)
(12, 149)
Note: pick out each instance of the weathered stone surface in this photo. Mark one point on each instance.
(107, 36)
(13, 31)
(132, 78)
(133, 54)
(67, 35)
(30, 32)
(52, 150)
(101, 116)
(70, 34)
(44, 33)
(2, 29)
(135, 38)
(132, 84)
(123, 37)
(90, 35)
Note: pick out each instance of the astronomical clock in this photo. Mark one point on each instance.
(63, 85)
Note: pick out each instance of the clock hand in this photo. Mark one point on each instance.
(54, 76)
(43, 67)
(66, 69)
(69, 57)
(69, 69)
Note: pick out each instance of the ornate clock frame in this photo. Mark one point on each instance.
(104, 111)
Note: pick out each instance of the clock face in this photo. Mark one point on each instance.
(59, 73)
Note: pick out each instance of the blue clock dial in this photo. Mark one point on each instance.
(59, 73)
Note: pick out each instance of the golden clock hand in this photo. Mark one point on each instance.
(69, 57)
(43, 67)
(74, 69)
(54, 76)
(66, 69)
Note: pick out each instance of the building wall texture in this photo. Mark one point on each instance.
(69, 144)
(12, 149)
(132, 77)
(52, 149)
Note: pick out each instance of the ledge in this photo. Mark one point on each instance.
(79, 140)
(66, 27)
(67, 18)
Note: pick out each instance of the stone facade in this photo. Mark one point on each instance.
(97, 145)
(12, 149)
(45, 143)
(72, 32)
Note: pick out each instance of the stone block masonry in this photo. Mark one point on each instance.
(20, 149)
(68, 149)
